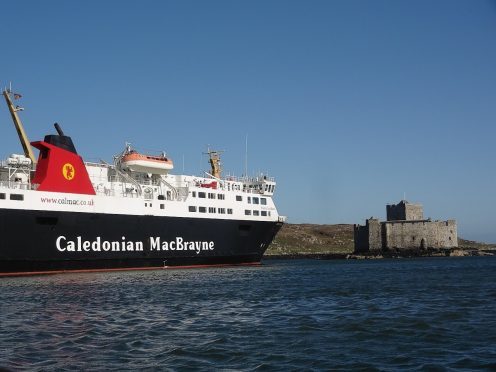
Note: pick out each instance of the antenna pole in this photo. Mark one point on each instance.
(246, 156)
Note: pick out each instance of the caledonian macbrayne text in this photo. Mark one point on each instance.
(155, 244)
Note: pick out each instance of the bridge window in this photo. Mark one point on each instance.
(263, 201)
(211, 210)
(162, 206)
(16, 197)
(221, 197)
(222, 210)
(249, 200)
(264, 213)
(239, 198)
(202, 195)
(211, 195)
(247, 212)
(202, 210)
(255, 213)
(192, 208)
(229, 211)
(255, 200)
(2, 195)
(193, 194)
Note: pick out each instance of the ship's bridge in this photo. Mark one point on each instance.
(258, 185)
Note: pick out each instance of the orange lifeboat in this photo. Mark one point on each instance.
(136, 162)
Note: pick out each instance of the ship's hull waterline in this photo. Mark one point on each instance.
(37, 242)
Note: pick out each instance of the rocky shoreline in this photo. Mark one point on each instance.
(455, 252)
(448, 252)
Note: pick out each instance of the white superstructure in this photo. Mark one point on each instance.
(122, 191)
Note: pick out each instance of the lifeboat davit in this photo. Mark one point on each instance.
(136, 162)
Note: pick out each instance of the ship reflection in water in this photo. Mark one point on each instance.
(301, 314)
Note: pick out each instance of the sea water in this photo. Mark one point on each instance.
(433, 313)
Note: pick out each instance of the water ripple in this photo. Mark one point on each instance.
(419, 314)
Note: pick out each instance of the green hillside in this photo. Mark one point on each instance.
(312, 239)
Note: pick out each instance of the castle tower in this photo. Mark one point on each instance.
(404, 211)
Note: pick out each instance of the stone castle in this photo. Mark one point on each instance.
(404, 229)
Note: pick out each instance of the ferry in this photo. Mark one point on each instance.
(59, 213)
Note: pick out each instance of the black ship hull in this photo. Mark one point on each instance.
(34, 242)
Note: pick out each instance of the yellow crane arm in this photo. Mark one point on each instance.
(26, 145)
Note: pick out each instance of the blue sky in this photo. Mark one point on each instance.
(349, 104)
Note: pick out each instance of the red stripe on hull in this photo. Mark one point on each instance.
(53, 272)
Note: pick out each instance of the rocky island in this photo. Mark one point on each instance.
(337, 241)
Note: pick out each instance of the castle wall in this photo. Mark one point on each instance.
(361, 237)
(369, 237)
(421, 234)
(375, 235)
(414, 212)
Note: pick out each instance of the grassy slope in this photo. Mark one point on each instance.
(309, 238)
(470, 244)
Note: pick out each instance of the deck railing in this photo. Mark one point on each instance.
(17, 185)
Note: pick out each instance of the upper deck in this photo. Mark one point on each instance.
(179, 195)
(144, 180)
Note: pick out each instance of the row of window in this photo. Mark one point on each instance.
(254, 200)
(270, 188)
(12, 196)
(249, 212)
(267, 188)
(192, 208)
(211, 195)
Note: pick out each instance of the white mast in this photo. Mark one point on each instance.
(246, 156)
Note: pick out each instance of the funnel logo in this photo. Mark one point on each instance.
(68, 171)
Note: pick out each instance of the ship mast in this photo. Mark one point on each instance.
(28, 151)
(214, 160)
